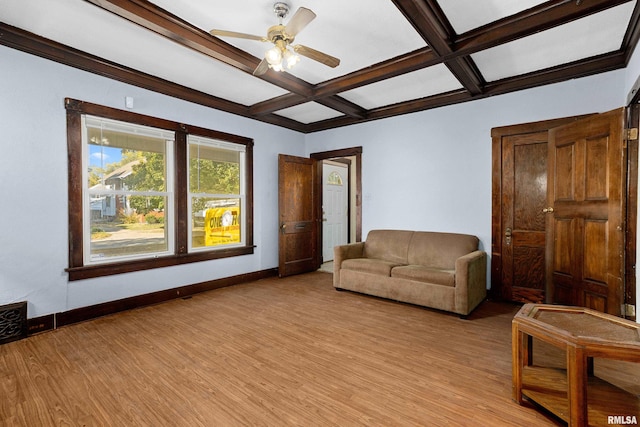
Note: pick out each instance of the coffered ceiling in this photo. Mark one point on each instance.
(396, 56)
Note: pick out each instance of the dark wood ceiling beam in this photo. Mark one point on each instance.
(342, 105)
(581, 68)
(430, 22)
(291, 100)
(277, 103)
(151, 17)
(528, 22)
(407, 63)
(394, 67)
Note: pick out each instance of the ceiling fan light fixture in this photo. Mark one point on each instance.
(290, 58)
(273, 55)
(280, 57)
(283, 55)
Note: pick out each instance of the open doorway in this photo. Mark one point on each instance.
(335, 205)
(340, 223)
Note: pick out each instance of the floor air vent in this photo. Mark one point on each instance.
(13, 322)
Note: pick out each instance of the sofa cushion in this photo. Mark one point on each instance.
(388, 245)
(439, 250)
(368, 265)
(420, 273)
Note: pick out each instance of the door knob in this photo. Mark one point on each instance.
(507, 235)
(547, 210)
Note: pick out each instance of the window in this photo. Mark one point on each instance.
(147, 193)
(216, 193)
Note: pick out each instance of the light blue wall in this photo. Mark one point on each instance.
(33, 185)
(429, 170)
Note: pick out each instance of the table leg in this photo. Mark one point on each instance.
(577, 383)
(518, 356)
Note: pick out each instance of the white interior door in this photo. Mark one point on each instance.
(335, 202)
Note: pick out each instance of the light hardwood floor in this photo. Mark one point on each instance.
(276, 352)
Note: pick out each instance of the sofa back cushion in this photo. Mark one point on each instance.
(388, 245)
(439, 250)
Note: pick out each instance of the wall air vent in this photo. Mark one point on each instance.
(13, 322)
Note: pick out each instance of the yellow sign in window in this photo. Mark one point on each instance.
(222, 226)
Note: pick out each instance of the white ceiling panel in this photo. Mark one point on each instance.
(309, 112)
(465, 15)
(590, 36)
(415, 85)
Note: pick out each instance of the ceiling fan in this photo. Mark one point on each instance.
(284, 55)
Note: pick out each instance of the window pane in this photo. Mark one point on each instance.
(127, 169)
(116, 234)
(213, 170)
(125, 162)
(215, 222)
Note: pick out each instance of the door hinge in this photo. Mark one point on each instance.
(631, 134)
(629, 310)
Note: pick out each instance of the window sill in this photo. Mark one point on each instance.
(109, 269)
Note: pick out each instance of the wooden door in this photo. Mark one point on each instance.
(585, 227)
(524, 196)
(298, 202)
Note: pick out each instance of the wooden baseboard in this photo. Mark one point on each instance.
(53, 321)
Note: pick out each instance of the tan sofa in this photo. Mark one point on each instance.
(445, 271)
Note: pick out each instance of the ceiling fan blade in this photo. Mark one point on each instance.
(300, 20)
(262, 68)
(316, 55)
(224, 33)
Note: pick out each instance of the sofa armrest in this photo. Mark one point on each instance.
(471, 281)
(344, 252)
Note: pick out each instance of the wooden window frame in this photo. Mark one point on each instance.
(77, 270)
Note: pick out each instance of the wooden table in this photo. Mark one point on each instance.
(574, 394)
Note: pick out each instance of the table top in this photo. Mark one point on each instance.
(580, 323)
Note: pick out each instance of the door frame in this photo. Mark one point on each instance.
(631, 214)
(631, 194)
(355, 152)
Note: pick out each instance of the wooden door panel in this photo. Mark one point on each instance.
(595, 301)
(585, 236)
(565, 178)
(528, 267)
(562, 248)
(595, 253)
(596, 187)
(530, 170)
